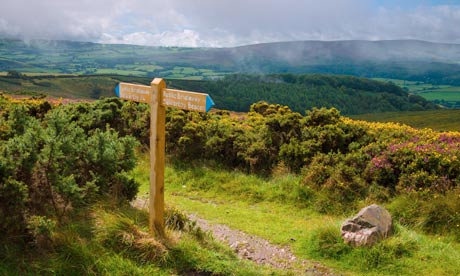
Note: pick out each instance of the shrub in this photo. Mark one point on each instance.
(322, 117)
(13, 199)
(52, 166)
(430, 212)
(441, 214)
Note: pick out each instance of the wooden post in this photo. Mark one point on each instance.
(157, 157)
(159, 98)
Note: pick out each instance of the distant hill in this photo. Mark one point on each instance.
(401, 59)
(351, 95)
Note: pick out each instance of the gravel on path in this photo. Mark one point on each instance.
(254, 248)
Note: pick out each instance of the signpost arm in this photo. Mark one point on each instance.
(157, 157)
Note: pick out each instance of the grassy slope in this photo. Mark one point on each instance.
(269, 208)
(440, 120)
(109, 239)
(84, 87)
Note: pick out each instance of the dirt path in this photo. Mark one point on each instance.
(259, 250)
(254, 248)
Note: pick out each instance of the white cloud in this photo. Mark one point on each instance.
(438, 23)
(186, 38)
(224, 22)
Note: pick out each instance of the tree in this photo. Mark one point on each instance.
(14, 74)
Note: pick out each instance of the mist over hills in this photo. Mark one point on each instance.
(402, 59)
(358, 50)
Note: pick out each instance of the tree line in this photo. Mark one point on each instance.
(350, 95)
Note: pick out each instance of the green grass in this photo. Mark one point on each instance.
(112, 239)
(418, 86)
(440, 120)
(452, 94)
(148, 67)
(429, 91)
(269, 208)
(121, 72)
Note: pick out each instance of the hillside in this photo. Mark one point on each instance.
(439, 120)
(404, 59)
(350, 95)
(69, 171)
(83, 87)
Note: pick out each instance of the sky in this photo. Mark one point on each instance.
(229, 23)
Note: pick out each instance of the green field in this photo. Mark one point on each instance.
(190, 73)
(418, 87)
(120, 72)
(64, 57)
(445, 95)
(440, 120)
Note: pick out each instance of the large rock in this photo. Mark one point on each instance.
(372, 224)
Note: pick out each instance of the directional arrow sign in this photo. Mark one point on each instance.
(187, 100)
(133, 92)
(171, 97)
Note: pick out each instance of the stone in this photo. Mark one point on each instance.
(371, 225)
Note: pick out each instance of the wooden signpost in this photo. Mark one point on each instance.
(159, 97)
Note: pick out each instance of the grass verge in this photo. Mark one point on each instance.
(268, 208)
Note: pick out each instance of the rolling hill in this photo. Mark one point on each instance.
(402, 59)
(350, 95)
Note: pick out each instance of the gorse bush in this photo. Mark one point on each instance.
(51, 164)
(66, 155)
(343, 162)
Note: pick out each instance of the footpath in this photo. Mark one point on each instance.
(254, 248)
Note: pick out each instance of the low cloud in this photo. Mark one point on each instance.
(210, 23)
(186, 38)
